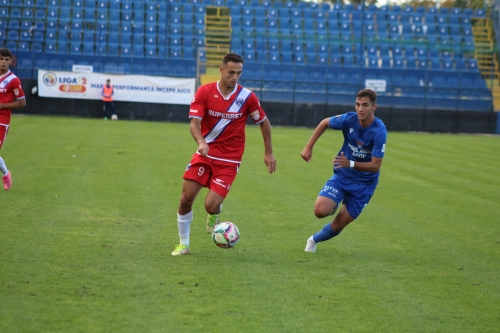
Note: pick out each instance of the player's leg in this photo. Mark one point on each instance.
(330, 230)
(356, 197)
(105, 110)
(222, 178)
(112, 108)
(330, 196)
(190, 190)
(213, 206)
(324, 207)
(6, 176)
(196, 176)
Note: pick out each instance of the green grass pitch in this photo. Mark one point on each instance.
(87, 230)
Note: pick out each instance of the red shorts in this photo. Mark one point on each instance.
(3, 133)
(217, 175)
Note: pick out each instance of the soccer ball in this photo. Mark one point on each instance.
(114, 117)
(226, 235)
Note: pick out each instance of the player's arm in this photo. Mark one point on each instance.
(269, 160)
(195, 128)
(17, 104)
(318, 132)
(341, 161)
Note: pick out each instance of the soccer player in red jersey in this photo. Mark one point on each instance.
(218, 114)
(11, 97)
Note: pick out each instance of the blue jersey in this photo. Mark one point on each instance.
(360, 144)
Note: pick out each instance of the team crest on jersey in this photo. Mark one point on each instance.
(239, 101)
(359, 143)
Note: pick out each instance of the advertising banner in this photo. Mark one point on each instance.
(129, 88)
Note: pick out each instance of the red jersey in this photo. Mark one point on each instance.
(223, 120)
(10, 90)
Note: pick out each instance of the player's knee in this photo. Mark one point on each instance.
(212, 208)
(186, 200)
(320, 212)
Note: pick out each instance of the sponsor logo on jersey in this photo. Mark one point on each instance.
(358, 151)
(216, 96)
(255, 116)
(193, 110)
(225, 115)
(219, 182)
(351, 130)
(16, 92)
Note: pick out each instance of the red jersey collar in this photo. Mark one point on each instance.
(230, 94)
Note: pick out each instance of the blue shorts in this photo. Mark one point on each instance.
(355, 195)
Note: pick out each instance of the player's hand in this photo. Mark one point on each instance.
(341, 161)
(203, 149)
(307, 154)
(270, 161)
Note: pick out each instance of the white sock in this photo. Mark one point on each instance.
(184, 226)
(3, 167)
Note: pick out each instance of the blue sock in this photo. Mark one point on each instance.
(325, 234)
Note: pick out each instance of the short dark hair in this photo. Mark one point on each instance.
(372, 95)
(5, 53)
(232, 57)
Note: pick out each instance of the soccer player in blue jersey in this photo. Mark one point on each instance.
(356, 167)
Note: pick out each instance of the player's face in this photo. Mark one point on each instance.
(365, 109)
(230, 73)
(4, 63)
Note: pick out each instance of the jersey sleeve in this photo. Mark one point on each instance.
(254, 105)
(198, 105)
(17, 89)
(336, 122)
(379, 141)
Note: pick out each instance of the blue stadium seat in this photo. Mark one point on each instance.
(124, 68)
(151, 52)
(113, 39)
(42, 64)
(13, 25)
(112, 51)
(13, 35)
(50, 48)
(23, 47)
(15, 13)
(110, 68)
(55, 65)
(40, 14)
(125, 51)
(138, 51)
(88, 49)
(75, 49)
(102, 5)
(42, 4)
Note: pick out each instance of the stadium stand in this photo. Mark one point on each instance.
(432, 49)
